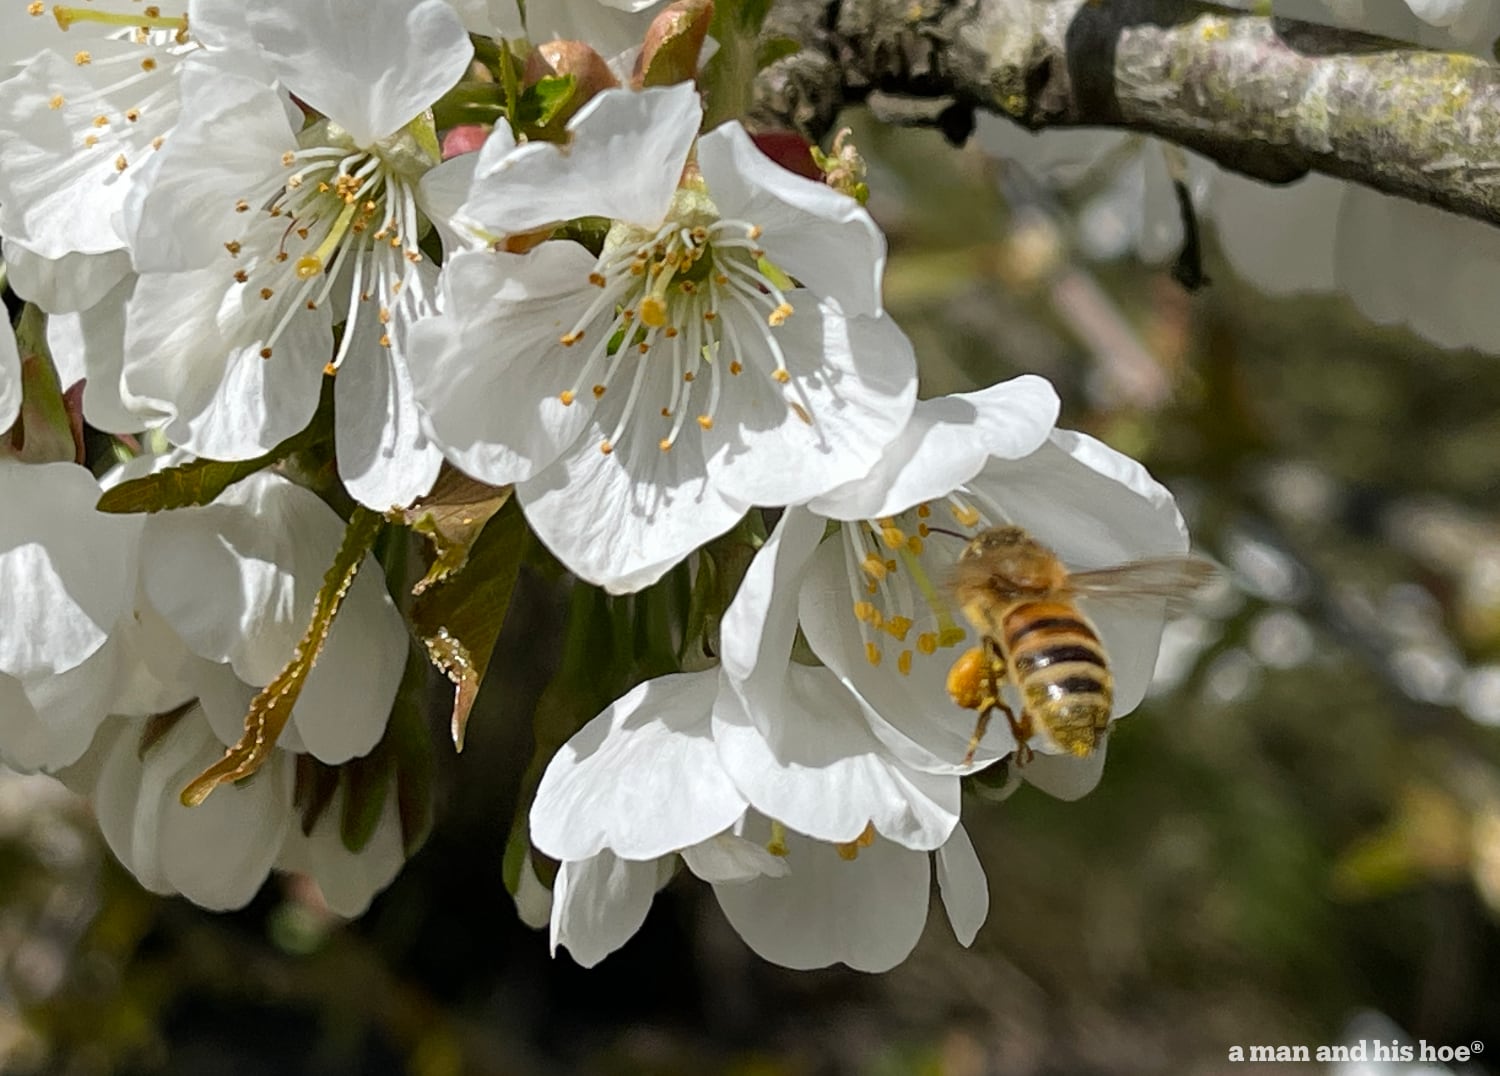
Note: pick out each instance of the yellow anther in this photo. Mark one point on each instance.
(755, 231)
(329, 369)
(927, 642)
(952, 636)
(923, 511)
(101, 121)
(265, 353)
(599, 391)
(706, 421)
(864, 612)
(242, 206)
(890, 565)
(606, 448)
(665, 444)
(566, 396)
(241, 276)
(779, 315)
(899, 626)
(914, 542)
(872, 653)
(867, 836)
(233, 246)
(894, 537)
(36, 7)
(569, 339)
(903, 662)
(56, 102)
(132, 114)
(82, 57)
(781, 376)
(966, 515)
(688, 376)
(735, 367)
(91, 141)
(148, 64)
(873, 566)
(266, 293)
(597, 279)
(923, 529)
(121, 163)
(848, 851)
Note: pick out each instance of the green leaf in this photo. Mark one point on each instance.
(272, 708)
(200, 481)
(460, 620)
(452, 516)
(729, 76)
(540, 103)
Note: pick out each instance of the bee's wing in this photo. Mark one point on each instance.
(1175, 579)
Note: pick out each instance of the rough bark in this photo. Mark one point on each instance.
(1271, 98)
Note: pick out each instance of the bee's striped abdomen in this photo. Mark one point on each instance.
(1058, 663)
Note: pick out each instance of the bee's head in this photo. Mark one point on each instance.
(995, 540)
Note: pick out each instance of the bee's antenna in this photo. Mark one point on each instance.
(951, 534)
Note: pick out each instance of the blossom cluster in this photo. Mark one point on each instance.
(309, 260)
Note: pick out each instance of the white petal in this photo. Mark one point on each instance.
(822, 771)
(622, 520)
(725, 859)
(385, 458)
(58, 194)
(348, 880)
(809, 230)
(67, 572)
(91, 345)
(867, 913)
(1066, 777)
(63, 285)
(487, 369)
(965, 890)
(533, 899)
(627, 152)
(598, 904)
(442, 192)
(219, 853)
(642, 779)
(230, 144)
(856, 382)
(346, 702)
(192, 355)
(10, 378)
(372, 66)
(945, 444)
(49, 723)
(758, 628)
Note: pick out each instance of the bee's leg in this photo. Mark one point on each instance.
(1022, 729)
(983, 724)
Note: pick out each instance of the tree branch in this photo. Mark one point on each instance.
(1272, 98)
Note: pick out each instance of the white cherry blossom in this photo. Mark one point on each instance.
(220, 853)
(610, 26)
(643, 399)
(82, 119)
(69, 577)
(257, 235)
(870, 597)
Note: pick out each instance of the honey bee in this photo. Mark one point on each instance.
(1021, 599)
